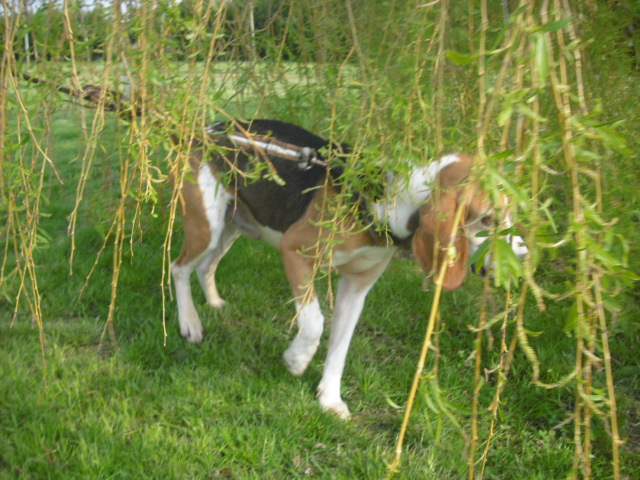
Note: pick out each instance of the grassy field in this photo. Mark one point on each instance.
(228, 408)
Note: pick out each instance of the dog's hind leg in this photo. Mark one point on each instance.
(204, 204)
(207, 268)
(190, 325)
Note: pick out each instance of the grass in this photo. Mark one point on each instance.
(228, 408)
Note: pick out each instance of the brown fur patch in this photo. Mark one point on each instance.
(306, 240)
(197, 234)
(432, 243)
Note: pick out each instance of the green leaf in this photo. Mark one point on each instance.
(611, 303)
(614, 140)
(527, 112)
(534, 333)
(606, 259)
(545, 207)
(456, 407)
(504, 115)
(477, 258)
(541, 56)
(458, 58)
(555, 26)
(499, 156)
(507, 265)
(512, 189)
(393, 404)
(572, 318)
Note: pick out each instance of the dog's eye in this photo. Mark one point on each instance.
(487, 220)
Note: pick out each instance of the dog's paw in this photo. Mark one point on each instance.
(329, 397)
(336, 406)
(217, 303)
(192, 333)
(297, 360)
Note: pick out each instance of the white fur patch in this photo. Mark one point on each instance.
(310, 325)
(215, 199)
(271, 236)
(359, 260)
(402, 200)
(519, 246)
(190, 326)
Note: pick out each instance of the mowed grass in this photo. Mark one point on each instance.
(228, 408)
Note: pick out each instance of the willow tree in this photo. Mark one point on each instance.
(515, 82)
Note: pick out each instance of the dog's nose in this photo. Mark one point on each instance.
(482, 271)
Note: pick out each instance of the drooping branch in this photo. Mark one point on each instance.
(90, 96)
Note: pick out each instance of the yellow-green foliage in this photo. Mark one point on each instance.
(539, 90)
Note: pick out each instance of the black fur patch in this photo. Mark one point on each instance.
(271, 204)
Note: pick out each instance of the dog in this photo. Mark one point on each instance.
(287, 204)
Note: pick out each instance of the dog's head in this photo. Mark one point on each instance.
(433, 242)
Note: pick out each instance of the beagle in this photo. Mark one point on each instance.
(287, 205)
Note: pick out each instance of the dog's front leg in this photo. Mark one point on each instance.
(348, 306)
(310, 323)
(309, 318)
(352, 292)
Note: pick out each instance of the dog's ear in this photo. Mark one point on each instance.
(431, 241)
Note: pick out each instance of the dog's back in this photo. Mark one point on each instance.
(275, 203)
